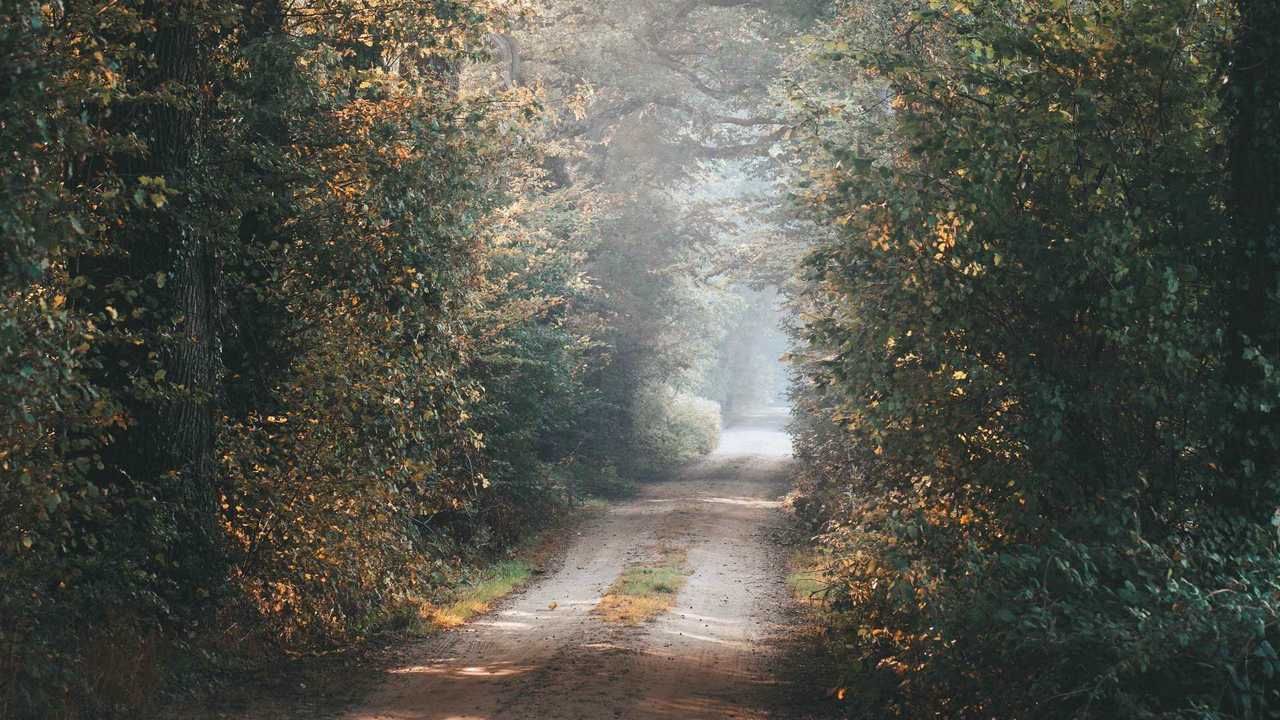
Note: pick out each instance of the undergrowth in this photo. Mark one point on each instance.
(478, 596)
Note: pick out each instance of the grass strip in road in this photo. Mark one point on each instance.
(476, 597)
(645, 590)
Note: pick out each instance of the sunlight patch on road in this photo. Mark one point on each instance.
(518, 613)
(603, 646)
(711, 620)
(745, 502)
(503, 624)
(502, 669)
(744, 442)
(735, 644)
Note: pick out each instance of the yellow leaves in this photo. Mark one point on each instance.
(153, 189)
(580, 100)
(305, 485)
(879, 238)
(945, 231)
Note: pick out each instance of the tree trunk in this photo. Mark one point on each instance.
(170, 260)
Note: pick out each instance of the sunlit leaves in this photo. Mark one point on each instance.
(1007, 351)
(347, 197)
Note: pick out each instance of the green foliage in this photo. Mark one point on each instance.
(671, 430)
(300, 315)
(598, 482)
(1017, 428)
(645, 589)
(661, 124)
(286, 335)
(477, 594)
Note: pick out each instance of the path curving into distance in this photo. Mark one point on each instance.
(544, 655)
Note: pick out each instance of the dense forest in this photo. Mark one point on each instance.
(310, 308)
(1037, 417)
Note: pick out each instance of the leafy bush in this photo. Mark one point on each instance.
(1024, 432)
(600, 482)
(671, 429)
(281, 344)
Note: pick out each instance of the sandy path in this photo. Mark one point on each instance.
(544, 656)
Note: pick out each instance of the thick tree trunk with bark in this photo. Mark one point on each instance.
(170, 380)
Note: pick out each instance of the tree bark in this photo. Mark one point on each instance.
(170, 260)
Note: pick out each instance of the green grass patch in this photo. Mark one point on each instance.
(805, 576)
(645, 590)
(478, 596)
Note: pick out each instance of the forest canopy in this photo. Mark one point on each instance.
(307, 307)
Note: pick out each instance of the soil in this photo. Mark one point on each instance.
(731, 646)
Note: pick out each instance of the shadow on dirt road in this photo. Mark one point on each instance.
(717, 654)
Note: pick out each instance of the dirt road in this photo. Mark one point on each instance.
(546, 656)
